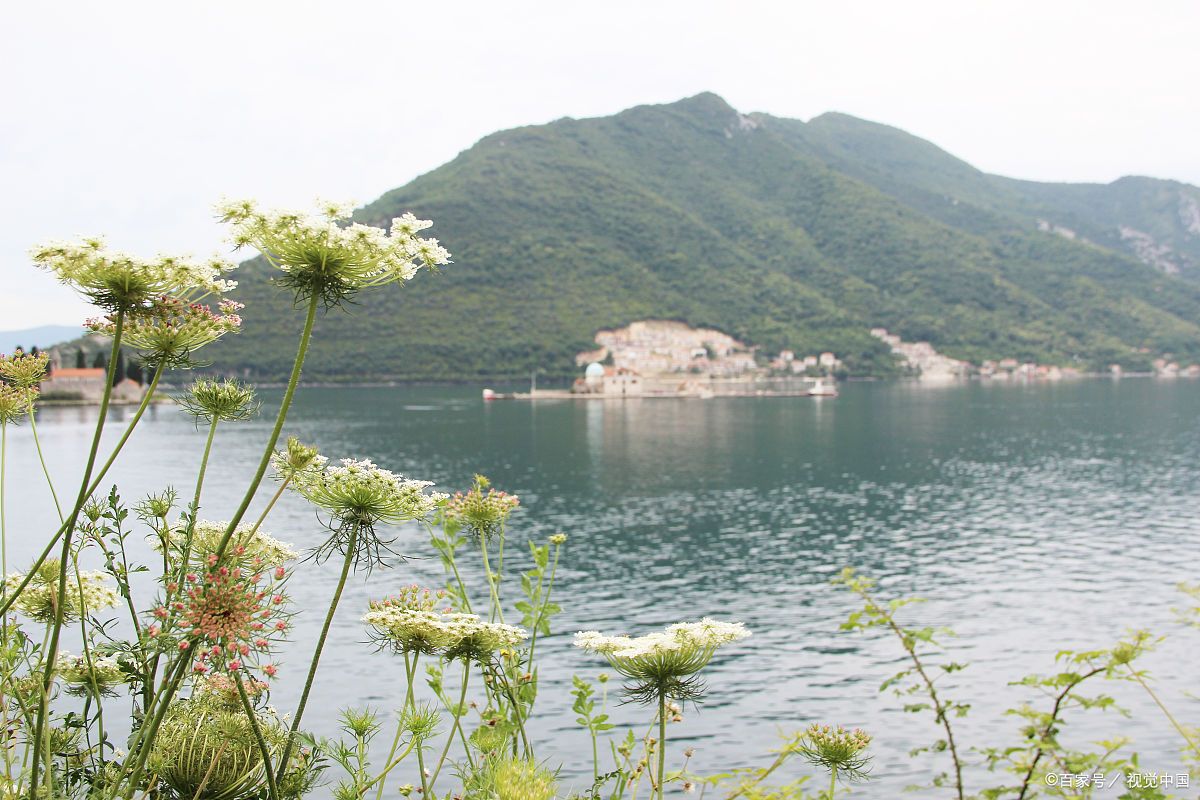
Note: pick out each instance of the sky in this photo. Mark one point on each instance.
(131, 119)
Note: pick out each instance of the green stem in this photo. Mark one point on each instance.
(87, 657)
(410, 704)
(208, 443)
(316, 656)
(1162, 707)
(832, 782)
(191, 527)
(3, 531)
(662, 741)
(409, 669)
(143, 741)
(458, 712)
(288, 394)
(537, 623)
(497, 612)
(37, 443)
(271, 504)
(52, 652)
(272, 788)
(389, 767)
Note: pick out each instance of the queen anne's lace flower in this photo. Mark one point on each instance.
(363, 494)
(225, 616)
(23, 369)
(664, 662)
(120, 282)
(482, 510)
(321, 255)
(409, 623)
(838, 750)
(207, 748)
(226, 400)
(249, 547)
(101, 676)
(86, 593)
(15, 401)
(297, 462)
(169, 330)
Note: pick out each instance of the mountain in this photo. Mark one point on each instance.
(40, 337)
(782, 233)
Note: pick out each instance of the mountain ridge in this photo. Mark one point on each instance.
(781, 233)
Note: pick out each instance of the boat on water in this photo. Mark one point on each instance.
(821, 389)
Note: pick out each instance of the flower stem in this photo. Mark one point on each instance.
(270, 505)
(409, 671)
(52, 651)
(288, 394)
(191, 526)
(3, 531)
(497, 612)
(316, 657)
(272, 788)
(37, 443)
(458, 712)
(143, 740)
(832, 781)
(662, 741)
(537, 623)
(1162, 707)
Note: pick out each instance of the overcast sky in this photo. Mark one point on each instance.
(130, 119)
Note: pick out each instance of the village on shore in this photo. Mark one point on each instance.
(662, 358)
(649, 358)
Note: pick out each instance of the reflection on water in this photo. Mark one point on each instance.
(1034, 517)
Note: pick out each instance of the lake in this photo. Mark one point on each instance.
(1033, 518)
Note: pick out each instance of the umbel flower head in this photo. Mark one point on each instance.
(297, 461)
(24, 370)
(482, 510)
(249, 547)
(358, 495)
(120, 282)
(322, 256)
(408, 623)
(15, 402)
(38, 600)
(664, 663)
(99, 677)
(226, 616)
(226, 400)
(838, 750)
(512, 778)
(169, 330)
(207, 749)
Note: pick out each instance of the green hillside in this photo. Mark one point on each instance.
(782, 233)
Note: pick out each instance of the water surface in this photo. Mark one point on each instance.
(1033, 517)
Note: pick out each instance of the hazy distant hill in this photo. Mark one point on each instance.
(41, 337)
(779, 232)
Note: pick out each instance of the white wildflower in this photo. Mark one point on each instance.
(664, 662)
(248, 545)
(361, 493)
(322, 255)
(86, 593)
(120, 282)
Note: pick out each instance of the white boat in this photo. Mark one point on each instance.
(819, 389)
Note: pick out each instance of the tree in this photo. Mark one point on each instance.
(100, 361)
(80, 359)
(134, 371)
